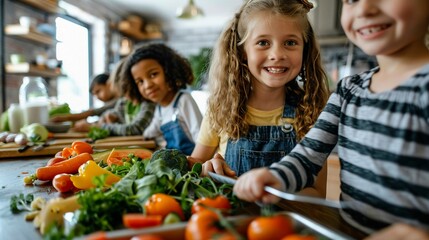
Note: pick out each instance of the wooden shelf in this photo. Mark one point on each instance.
(28, 33)
(31, 70)
(127, 29)
(50, 6)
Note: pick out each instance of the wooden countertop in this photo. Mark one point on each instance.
(13, 226)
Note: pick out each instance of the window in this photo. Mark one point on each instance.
(73, 50)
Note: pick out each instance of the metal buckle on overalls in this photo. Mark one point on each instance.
(287, 128)
(175, 113)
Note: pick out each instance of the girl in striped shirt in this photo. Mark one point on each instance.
(379, 119)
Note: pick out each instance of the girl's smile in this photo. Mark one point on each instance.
(276, 70)
(370, 31)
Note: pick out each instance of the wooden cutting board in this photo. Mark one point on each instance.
(69, 135)
(11, 150)
(120, 139)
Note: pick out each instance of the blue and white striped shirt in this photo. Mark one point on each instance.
(383, 145)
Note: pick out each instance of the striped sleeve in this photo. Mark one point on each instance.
(139, 123)
(299, 169)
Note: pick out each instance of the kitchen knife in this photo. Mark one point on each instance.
(281, 194)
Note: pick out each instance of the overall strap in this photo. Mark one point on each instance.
(289, 108)
(174, 104)
(177, 99)
(288, 112)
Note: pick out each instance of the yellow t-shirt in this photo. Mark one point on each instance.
(256, 117)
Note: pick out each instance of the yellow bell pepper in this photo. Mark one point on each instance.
(88, 171)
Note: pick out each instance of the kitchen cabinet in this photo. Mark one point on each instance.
(26, 41)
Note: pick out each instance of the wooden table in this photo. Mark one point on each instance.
(14, 226)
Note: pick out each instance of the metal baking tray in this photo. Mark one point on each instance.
(177, 231)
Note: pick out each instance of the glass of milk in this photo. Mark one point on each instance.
(33, 98)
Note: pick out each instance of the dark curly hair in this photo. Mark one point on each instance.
(177, 69)
(100, 79)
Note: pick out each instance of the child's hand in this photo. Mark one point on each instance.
(59, 118)
(82, 126)
(109, 118)
(250, 186)
(218, 165)
(400, 231)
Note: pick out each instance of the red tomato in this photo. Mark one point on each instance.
(62, 183)
(81, 147)
(205, 224)
(55, 160)
(147, 237)
(139, 220)
(220, 202)
(163, 204)
(269, 227)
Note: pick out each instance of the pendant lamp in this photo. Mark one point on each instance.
(189, 11)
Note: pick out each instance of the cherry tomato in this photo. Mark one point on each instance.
(139, 220)
(270, 227)
(220, 202)
(62, 183)
(163, 204)
(205, 224)
(54, 160)
(81, 147)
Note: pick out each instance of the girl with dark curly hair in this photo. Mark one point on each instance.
(160, 75)
(131, 114)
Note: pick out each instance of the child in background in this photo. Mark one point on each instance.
(159, 74)
(267, 87)
(132, 113)
(100, 88)
(378, 118)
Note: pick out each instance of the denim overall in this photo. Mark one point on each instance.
(262, 146)
(173, 132)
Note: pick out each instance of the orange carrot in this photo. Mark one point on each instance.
(70, 166)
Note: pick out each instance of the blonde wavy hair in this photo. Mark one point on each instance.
(229, 76)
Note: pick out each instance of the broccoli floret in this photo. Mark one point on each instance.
(173, 158)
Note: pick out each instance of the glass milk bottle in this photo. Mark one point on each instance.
(33, 98)
(15, 117)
